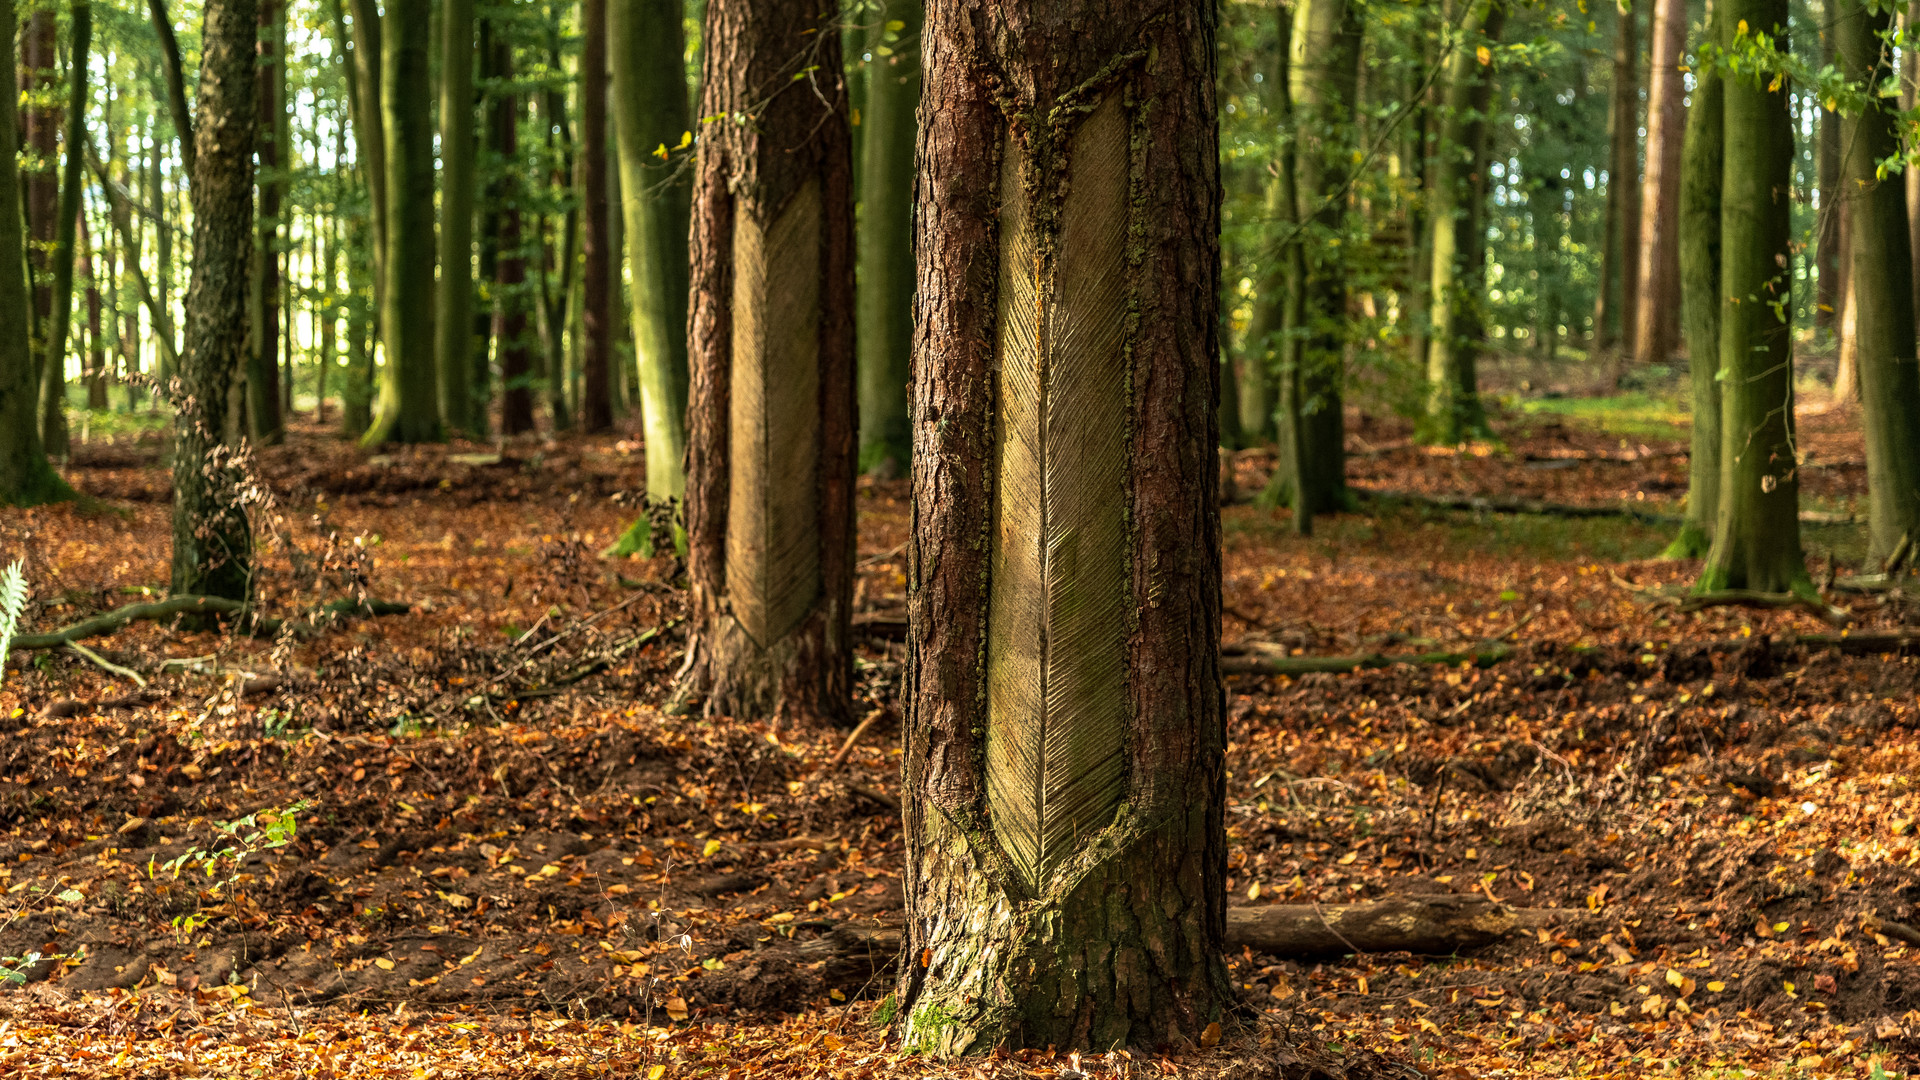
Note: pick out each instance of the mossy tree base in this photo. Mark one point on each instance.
(1692, 542)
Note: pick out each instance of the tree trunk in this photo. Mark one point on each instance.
(1454, 412)
(1064, 763)
(161, 305)
(1829, 241)
(1756, 542)
(1324, 70)
(1656, 308)
(1883, 290)
(885, 336)
(453, 344)
(1613, 316)
(53, 376)
(263, 363)
(96, 369)
(212, 541)
(596, 242)
(1701, 167)
(650, 108)
(1909, 98)
(409, 407)
(770, 463)
(1268, 348)
(176, 83)
(510, 260)
(26, 477)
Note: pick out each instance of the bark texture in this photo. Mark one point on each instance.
(1270, 346)
(1756, 543)
(1046, 124)
(596, 234)
(510, 299)
(212, 540)
(770, 462)
(1656, 327)
(1613, 315)
(409, 407)
(26, 477)
(885, 338)
(453, 342)
(1701, 164)
(1882, 283)
(263, 363)
(648, 39)
(53, 377)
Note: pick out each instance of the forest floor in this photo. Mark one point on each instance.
(514, 862)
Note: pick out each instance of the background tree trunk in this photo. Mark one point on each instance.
(212, 540)
(596, 241)
(1701, 167)
(1882, 289)
(1268, 349)
(885, 337)
(771, 423)
(510, 266)
(453, 341)
(1829, 239)
(1756, 541)
(39, 78)
(1656, 309)
(648, 40)
(263, 364)
(26, 478)
(1613, 316)
(1455, 222)
(53, 378)
(1325, 74)
(1063, 794)
(96, 369)
(409, 406)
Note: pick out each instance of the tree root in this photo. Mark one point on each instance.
(1753, 598)
(111, 621)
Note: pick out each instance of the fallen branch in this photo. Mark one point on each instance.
(1431, 925)
(111, 621)
(107, 665)
(1753, 598)
(840, 757)
(1503, 504)
(1887, 928)
(1341, 665)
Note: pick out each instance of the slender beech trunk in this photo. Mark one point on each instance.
(1756, 541)
(1269, 346)
(1701, 167)
(1883, 289)
(327, 311)
(408, 410)
(1656, 327)
(160, 305)
(557, 312)
(365, 98)
(1613, 316)
(596, 247)
(96, 367)
(1324, 70)
(263, 364)
(26, 477)
(771, 440)
(39, 82)
(53, 377)
(453, 346)
(1829, 237)
(885, 332)
(1456, 238)
(1064, 777)
(648, 40)
(1909, 98)
(175, 81)
(510, 273)
(212, 541)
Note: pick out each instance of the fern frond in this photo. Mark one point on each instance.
(1057, 700)
(13, 604)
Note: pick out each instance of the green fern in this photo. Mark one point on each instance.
(13, 604)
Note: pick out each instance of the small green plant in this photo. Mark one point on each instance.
(234, 842)
(13, 604)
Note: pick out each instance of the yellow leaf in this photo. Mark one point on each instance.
(1485, 54)
(383, 964)
(1347, 859)
(836, 995)
(1789, 988)
(1680, 982)
(894, 26)
(1782, 927)
(1211, 1036)
(686, 140)
(1428, 1025)
(656, 1072)
(660, 151)
(712, 846)
(677, 1007)
(1253, 891)
(1716, 986)
(1774, 85)
(1741, 30)
(1832, 106)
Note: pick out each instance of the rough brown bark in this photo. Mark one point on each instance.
(1120, 942)
(790, 169)
(40, 131)
(1656, 327)
(596, 241)
(212, 541)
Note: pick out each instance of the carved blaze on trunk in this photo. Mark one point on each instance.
(1064, 753)
(770, 420)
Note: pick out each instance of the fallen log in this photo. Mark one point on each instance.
(1506, 504)
(1431, 925)
(1342, 665)
(108, 622)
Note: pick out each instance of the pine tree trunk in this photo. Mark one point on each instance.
(1613, 316)
(1656, 308)
(212, 541)
(1756, 542)
(648, 40)
(453, 341)
(1063, 795)
(1883, 290)
(408, 410)
(1454, 412)
(885, 337)
(510, 300)
(1701, 166)
(1325, 73)
(596, 241)
(53, 378)
(771, 440)
(26, 477)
